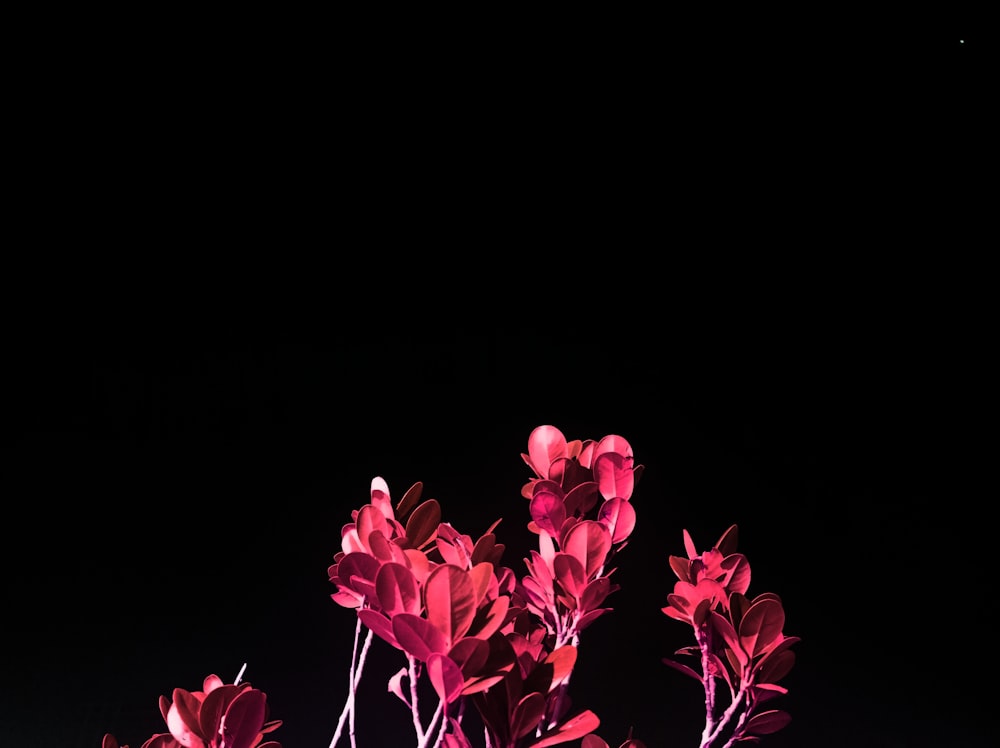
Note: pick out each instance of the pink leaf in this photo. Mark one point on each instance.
(243, 719)
(446, 677)
(182, 718)
(357, 571)
(490, 618)
(396, 685)
(761, 625)
(417, 636)
(681, 667)
(380, 625)
(527, 714)
(397, 590)
(595, 593)
(618, 515)
(547, 511)
(470, 654)
(571, 729)
(689, 546)
(613, 475)
(766, 723)
(590, 542)
(422, 525)
(569, 573)
(737, 573)
(481, 576)
(451, 601)
(545, 445)
(370, 520)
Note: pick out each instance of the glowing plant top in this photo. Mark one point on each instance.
(477, 634)
(218, 716)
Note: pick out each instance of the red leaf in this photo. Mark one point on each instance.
(484, 549)
(397, 590)
(727, 543)
(357, 567)
(422, 526)
(409, 500)
(244, 718)
(774, 666)
(766, 723)
(451, 601)
(681, 667)
(380, 625)
(595, 593)
(186, 710)
(573, 728)
(370, 519)
(590, 542)
(737, 572)
(527, 714)
(489, 619)
(547, 511)
(418, 636)
(470, 654)
(689, 546)
(562, 660)
(569, 573)
(618, 515)
(545, 445)
(761, 625)
(613, 475)
(681, 567)
(446, 677)
(214, 706)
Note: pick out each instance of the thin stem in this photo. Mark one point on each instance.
(701, 634)
(727, 716)
(414, 708)
(425, 739)
(355, 678)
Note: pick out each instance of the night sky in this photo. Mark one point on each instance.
(744, 303)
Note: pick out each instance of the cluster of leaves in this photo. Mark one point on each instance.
(480, 635)
(740, 641)
(219, 716)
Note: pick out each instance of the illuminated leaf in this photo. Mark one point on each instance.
(569, 572)
(571, 729)
(769, 722)
(618, 515)
(243, 719)
(589, 541)
(545, 445)
(418, 636)
(397, 590)
(446, 677)
(380, 625)
(527, 714)
(761, 625)
(422, 526)
(450, 600)
(613, 475)
(548, 511)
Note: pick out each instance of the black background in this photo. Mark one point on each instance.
(754, 258)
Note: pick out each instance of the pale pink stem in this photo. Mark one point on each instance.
(727, 716)
(426, 738)
(414, 708)
(355, 678)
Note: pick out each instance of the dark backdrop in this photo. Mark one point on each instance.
(758, 266)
